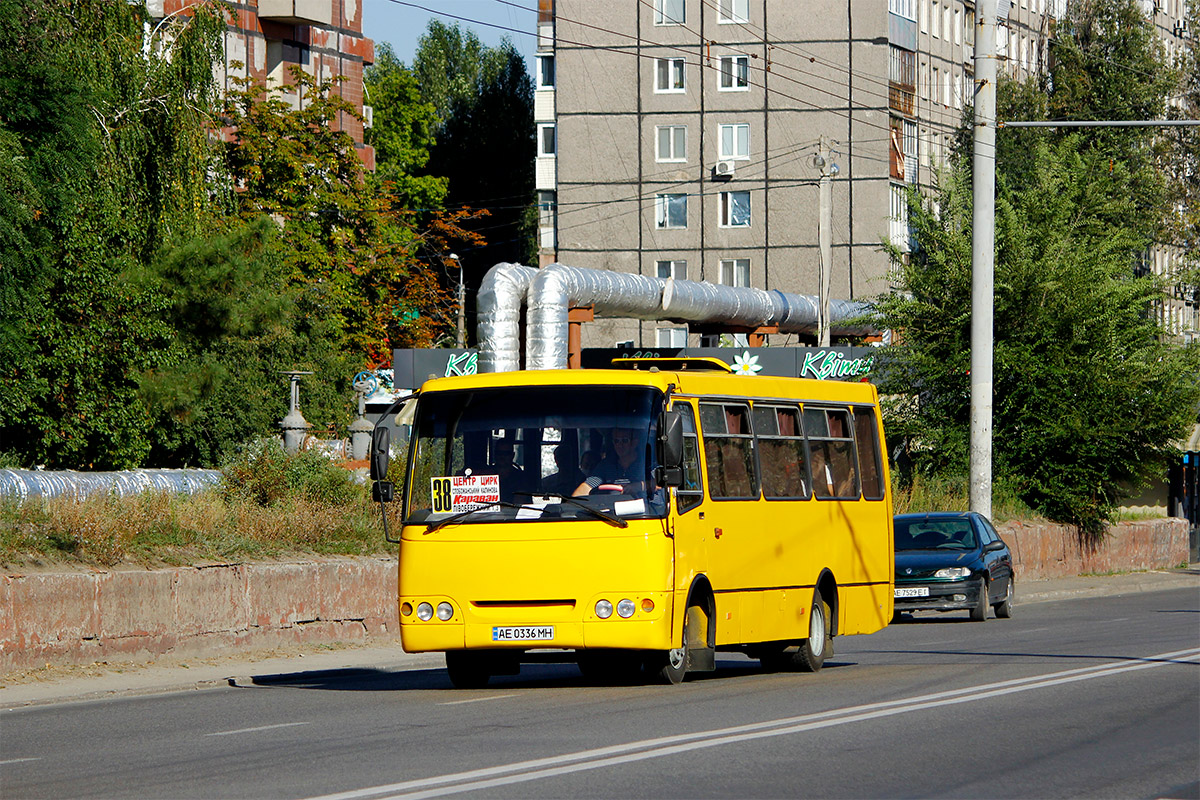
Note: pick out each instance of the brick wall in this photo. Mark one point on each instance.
(1044, 550)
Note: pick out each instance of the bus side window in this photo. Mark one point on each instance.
(729, 451)
(866, 436)
(781, 452)
(691, 492)
(831, 445)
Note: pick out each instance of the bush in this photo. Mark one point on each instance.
(265, 474)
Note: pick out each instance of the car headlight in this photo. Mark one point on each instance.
(603, 609)
(445, 611)
(424, 612)
(952, 572)
(626, 608)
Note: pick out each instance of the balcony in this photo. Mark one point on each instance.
(297, 12)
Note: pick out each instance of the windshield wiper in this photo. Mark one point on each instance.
(597, 513)
(463, 514)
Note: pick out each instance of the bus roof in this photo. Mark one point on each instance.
(686, 382)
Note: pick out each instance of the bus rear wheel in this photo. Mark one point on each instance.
(467, 670)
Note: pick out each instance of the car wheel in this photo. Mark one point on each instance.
(467, 670)
(819, 644)
(979, 612)
(1004, 607)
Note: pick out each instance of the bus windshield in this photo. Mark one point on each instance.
(535, 454)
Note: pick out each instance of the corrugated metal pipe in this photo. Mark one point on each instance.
(25, 484)
(555, 289)
(498, 329)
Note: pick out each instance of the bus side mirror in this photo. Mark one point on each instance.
(670, 441)
(381, 441)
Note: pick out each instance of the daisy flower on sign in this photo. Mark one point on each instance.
(746, 364)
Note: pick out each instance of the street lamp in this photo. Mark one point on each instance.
(462, 302)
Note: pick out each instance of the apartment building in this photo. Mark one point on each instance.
(689, 138)
(263, 38)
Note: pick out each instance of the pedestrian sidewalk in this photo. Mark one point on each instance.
(103, 680)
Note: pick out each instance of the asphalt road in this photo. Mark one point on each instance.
(1095, 697)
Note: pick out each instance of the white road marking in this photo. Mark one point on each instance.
(18, 760)
(259, 728)
(524, 771)
(477, 700)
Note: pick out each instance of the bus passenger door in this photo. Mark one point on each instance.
(688, 523)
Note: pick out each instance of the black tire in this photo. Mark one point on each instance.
(1004, 607)
(819, 644)
(467, 670)
(669, 667)
(979, 612)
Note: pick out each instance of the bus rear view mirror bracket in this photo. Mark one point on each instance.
(670, 450)
(381, 442)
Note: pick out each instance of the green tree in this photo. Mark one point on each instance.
(1088, 396)
(485, 142)
(104, 130)
(402, 132)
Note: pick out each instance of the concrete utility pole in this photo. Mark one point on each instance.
(983, 256)
(462, 304)
(823, 161)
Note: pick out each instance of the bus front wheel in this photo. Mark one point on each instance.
(467, 670)
(670, 666)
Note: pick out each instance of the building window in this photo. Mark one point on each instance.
(904, 8)
(668, 75)
(735, 73)
(902, 79)
(958, 31)
(671, 269)
(672, 143)
(898, 222)
(545, 72)
(731, 11)
(670, 337)
(670, 211)
(733, 142)
(734, 272)
(735, 211)
(669, 12)
(910, 151)
(934, 18)
(547, 146)
(547, 211)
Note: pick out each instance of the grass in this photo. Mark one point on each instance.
(937, 495)
(268, 505)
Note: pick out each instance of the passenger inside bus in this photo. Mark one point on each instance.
(513, 479)
(568, 477)
(622, 466)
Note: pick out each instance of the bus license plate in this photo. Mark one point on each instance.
(524, 633)
(913, 591)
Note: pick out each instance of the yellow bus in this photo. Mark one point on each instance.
(637, 520)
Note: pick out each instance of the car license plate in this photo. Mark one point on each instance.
(912, 591)
(523, 633)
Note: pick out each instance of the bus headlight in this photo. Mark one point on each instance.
(626, 608)
(952, 572)
(603, 609)
(445, 611)
(424, 612)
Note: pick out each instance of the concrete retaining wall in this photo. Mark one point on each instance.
(1044, 550)
(134, 615)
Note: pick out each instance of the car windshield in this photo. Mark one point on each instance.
(535, 454)
(934, 534)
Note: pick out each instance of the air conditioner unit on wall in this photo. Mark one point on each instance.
(723, 170)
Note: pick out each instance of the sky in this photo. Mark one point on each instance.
(402, 23)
